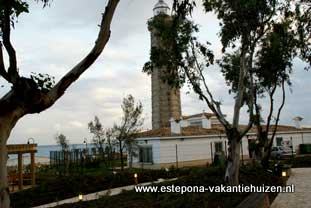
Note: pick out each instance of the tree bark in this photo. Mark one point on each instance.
(233, 166)
(233, 134)
(267, 150)
(7, 122)
(4, 188)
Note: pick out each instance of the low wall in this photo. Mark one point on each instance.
(180, 164)
(255, 200)
(192, 163)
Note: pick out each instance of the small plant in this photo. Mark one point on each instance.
(44, 82)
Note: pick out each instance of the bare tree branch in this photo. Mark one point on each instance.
(252, 92)
(271, 94)
(241, 87)
(211, 102)
(6, 29)
(3, 72)
(103, 37)
(277, 118)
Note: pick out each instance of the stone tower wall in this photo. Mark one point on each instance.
(165, 99)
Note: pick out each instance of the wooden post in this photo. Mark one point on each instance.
(33, 169)
(20, 171)
(176, 156)
(212, 152)
(226, 149)
(242, 152)
(291, 140)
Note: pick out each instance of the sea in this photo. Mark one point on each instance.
(43, 154)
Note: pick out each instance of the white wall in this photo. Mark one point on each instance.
(189, 149)
(297, 138)
(194, 148)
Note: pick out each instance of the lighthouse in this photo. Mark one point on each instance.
(165, 99)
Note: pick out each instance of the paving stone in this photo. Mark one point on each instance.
(301, 197)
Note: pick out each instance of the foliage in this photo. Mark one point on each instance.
(62, 140)
(198, 177)
(51, 189)
(303, 25)
(177, 37)
(17, 7)
(240, 18)
(10, 10)
(263, 41)
(130, 125)
(44, 82)
(38, 93)
(301, 162)
(96, 128)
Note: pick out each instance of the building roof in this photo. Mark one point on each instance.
(207, 115)
(186, 131)
(216, 129)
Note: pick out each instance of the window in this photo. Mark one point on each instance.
(279, 141)
(196, 123)
(145, 154)
(219, 147)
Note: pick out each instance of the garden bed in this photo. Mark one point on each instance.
(55, 189)
(203, 176)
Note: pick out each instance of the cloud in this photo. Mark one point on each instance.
(76, 124)
(54, 39)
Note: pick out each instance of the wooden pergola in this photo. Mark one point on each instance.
(20, 149)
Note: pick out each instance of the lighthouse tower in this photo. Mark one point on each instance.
(165, 99)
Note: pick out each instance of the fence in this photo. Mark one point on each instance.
(76, 160)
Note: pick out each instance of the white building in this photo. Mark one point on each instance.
(195, 139)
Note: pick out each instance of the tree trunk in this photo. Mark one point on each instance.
(130, 156)
(7, 122)
(233, 165)
(4, 188)
(121, 155)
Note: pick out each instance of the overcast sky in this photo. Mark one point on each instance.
(54, 39)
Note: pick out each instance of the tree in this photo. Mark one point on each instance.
(62, 141)
(245, 27)
(110, 144)
(130, 125)
(272, 69)
(96, 128)
(303, 25)
(38, 93)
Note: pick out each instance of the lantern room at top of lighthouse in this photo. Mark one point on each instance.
(161, 8)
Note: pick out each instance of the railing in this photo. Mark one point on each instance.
(21, 148)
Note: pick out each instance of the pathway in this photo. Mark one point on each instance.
(301, 178)
(97, 195)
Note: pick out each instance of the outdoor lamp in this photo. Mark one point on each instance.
(80, 197)
(135, 178)
(284, 173)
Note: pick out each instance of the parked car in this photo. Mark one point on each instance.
(280, 152)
